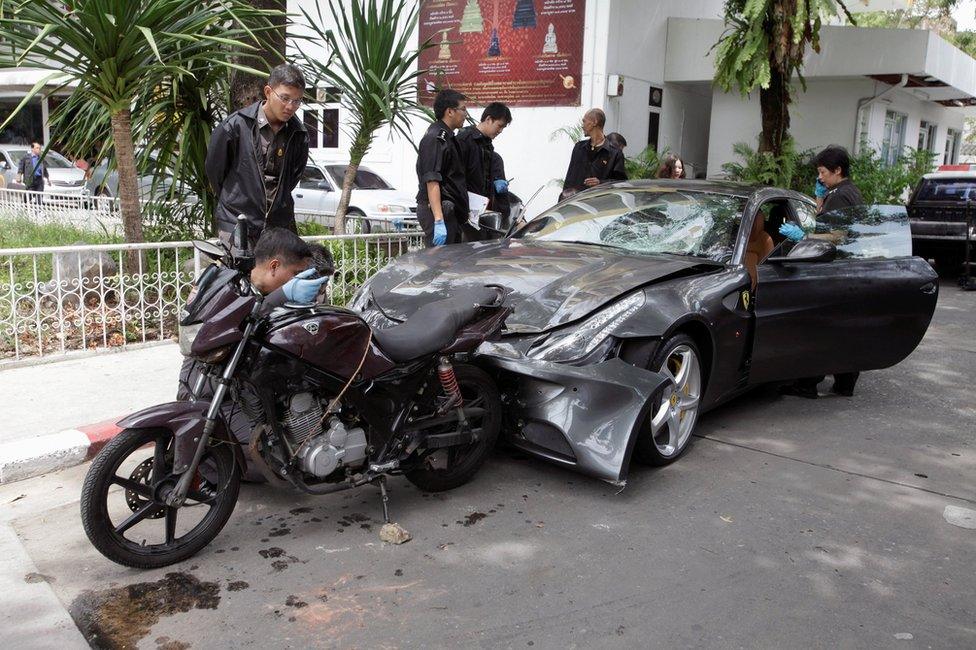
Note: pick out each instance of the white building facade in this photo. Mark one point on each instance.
(887, 89)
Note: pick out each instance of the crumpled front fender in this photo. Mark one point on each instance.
(186, 421)
(585, 417)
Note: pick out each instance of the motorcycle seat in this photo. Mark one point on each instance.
(433, 326)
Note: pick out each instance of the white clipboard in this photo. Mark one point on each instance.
(477, 204)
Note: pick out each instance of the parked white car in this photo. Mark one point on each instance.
(65, 178)
(374, 206)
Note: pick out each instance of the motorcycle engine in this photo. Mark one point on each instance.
(319, 452)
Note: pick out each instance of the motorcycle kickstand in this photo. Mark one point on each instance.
(386, 499)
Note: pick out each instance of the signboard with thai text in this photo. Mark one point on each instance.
(521, 52)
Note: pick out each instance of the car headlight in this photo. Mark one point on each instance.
(392, 208)
(583, 339)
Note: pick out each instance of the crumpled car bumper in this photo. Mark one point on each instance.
(587, 418)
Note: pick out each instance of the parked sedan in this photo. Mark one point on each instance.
(640, 305)
(374, 205)
(65, 178)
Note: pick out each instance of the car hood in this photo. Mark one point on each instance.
(368, 199)
(552, 283)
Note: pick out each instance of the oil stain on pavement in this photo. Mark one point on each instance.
(119, 617)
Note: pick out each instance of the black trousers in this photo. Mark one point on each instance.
(425, 216)
(37, 187)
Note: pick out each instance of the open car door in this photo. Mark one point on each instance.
(849, 297)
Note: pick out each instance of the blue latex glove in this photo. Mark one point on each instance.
(303, 288)
(501, 186)
(440, 233)
(792, 231)
(820, 190)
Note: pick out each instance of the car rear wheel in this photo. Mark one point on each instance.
(674, 410)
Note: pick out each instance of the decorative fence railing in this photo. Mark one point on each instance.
(54, 300)
(104, 214)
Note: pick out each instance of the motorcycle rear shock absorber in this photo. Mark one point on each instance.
(449, 382)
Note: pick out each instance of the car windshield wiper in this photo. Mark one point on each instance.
(586, 243)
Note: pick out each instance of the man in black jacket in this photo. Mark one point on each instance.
(32, 171)
(442, 194)
(478, 151)
(594, 160)
(257, 155)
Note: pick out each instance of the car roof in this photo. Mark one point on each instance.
(959, 175)
(732, 188)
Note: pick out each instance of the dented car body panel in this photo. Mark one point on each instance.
(584, 418)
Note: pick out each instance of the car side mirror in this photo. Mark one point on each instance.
(4, 165)
(324, 185)
(808, 250)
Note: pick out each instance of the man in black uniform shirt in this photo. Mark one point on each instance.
(594, 160)
(477, 152)
(442, 199)
(833, 169)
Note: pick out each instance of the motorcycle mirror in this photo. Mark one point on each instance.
(211, 250)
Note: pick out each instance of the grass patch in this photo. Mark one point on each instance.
(24, 233)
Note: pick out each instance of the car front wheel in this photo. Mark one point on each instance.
(674, 410)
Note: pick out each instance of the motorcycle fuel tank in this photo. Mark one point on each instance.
(331, 339)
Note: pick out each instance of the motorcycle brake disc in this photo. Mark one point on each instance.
(141, 474)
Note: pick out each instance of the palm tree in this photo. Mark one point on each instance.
(373, 67)
(111, 53)
(763, 48)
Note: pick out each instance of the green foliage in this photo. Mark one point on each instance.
(645, 164)
(158, 59)
(880, 184)
(573, 132)
(373, 64)
(790, 169)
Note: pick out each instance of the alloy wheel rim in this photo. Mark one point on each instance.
(674, 417)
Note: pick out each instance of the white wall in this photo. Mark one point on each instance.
(825, 114)
(685, 123)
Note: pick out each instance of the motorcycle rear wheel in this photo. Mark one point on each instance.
(144, 492)
(459, 464)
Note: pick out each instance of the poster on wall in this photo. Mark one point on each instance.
(521, 52)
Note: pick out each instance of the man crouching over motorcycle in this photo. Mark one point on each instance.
(284, 266)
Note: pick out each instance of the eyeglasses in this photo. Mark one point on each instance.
(463, 109)
(288, 102)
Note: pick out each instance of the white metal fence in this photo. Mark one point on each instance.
(102, 214)
(54, 300)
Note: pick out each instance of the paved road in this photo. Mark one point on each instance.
(789, 523)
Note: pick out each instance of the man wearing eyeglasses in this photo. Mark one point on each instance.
(256, 157)
(442, 199)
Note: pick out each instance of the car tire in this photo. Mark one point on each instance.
(670, 424)
(357, 223)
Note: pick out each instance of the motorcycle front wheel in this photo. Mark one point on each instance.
(446, 469)
(123, 507)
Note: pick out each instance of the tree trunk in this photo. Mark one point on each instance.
(246, 89)
(774, 107)
(358, 151)
(128, 176)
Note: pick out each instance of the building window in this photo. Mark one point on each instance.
(323, 127)
(951, 154)
(893, 138)
(926, 136)
(26, 127)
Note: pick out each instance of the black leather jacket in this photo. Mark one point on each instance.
(235, 174)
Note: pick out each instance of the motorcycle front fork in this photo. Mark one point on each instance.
(177, 497)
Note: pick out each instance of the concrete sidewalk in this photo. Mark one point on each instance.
(54, 411)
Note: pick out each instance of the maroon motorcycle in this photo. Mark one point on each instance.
(334, 404)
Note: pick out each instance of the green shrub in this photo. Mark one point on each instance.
(879, 183)
(645, 164)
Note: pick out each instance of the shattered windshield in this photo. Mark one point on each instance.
(652, 220)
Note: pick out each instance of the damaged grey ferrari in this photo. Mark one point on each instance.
(640, 305)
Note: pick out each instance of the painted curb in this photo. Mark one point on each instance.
(23, 459)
